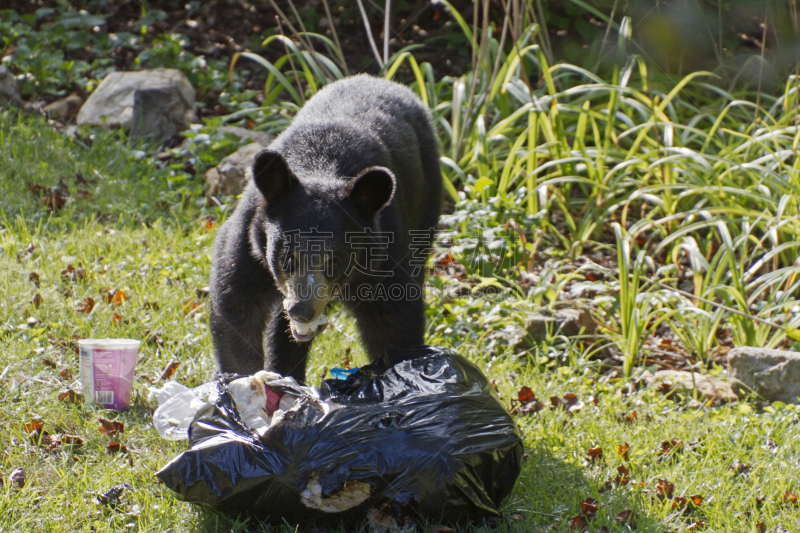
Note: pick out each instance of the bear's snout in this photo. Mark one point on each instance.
(301, 312)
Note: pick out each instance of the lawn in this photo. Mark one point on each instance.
(575, 192)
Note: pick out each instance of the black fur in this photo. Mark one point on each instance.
(360, 154)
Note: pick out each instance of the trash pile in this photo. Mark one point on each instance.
(419, 436)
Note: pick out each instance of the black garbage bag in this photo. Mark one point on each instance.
(418, 436)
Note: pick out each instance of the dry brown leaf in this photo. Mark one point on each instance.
(86, 305)
(589, 507)
(111, 427)
(71, 396)
(116, 297)
(34, 425)
(578, 522)
(623, 451)
(37, 300)
(116, 447)
(170, 369)
(191, 304)
(594, 454)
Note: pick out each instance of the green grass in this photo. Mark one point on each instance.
(155, 245)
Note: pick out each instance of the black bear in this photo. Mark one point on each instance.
(341, 206)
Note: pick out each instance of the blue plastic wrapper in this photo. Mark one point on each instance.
(419, 436)
(343, 373)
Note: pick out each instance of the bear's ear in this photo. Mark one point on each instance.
(371, 190)
(272, 176)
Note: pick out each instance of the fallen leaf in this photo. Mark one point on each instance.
(664, 489)
(17, 478)
(33, 277)
(170, 369)
(594, 454)
(116, 297)
(86, 305)
(589, 507)
(111, 427)
(72, 274)
(625, 517)
(789, 497)
(65, 373)
(623, 451)
(71, 396)
(578, 522)
(116, 318)
(191, 304)
(687, 503)
(525, 394)
(668, 446)
(623, 474)
(151, 305)
(116, 447)
(761, 527)
(34, 425)
(739, 468)
(37, 300)
(49, 363)
(569, 403)
(74, 440)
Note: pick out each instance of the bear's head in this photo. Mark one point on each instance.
(318, 235)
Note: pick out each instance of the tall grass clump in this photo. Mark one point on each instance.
(700, 179)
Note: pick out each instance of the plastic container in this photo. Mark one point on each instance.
(106, 371)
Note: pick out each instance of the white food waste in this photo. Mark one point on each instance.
(306, 328)
(257, 403)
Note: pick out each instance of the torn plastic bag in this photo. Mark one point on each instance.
(419, 435)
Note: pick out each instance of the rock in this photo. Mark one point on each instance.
(231, 175)
(567, 322)
(248, 135)
(64, 109)
(710, 387)
(773, 374)
(242, 133)
(9, 88)
(160, 113)
(111, 104)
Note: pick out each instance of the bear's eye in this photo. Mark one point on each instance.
(333, 267)
(290, 262)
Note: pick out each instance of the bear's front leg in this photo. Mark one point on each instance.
(386, 323)
(242, 298)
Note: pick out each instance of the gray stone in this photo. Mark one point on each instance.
(231, 175)
(709, 387)
(160, 113)
(242, 133)
(111, 104)
(567, 322)
(248, 135)
(772, 374)
(9, 87)
(64, 109)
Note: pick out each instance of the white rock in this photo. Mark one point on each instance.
(772, 374)
(113, 98)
